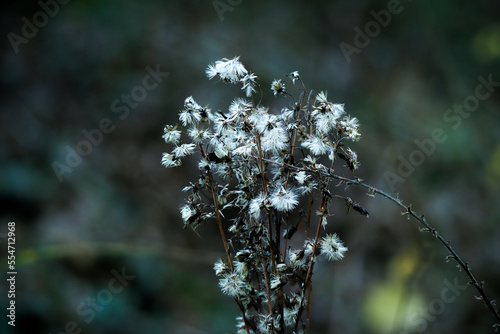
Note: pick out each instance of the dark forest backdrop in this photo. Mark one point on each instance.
(412, 72)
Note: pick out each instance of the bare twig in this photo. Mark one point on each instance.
(420, 218)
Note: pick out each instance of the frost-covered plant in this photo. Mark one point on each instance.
(265, 176)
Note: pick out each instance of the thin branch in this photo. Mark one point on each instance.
(216, 205)
(270, 227)
(420, 218)
(266, 280)
(307, 286)
(219, 222)
(261, 165)
(245, 320)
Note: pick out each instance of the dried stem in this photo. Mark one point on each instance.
(245, 320)
(264, 188)
(216, 205)
(307, 286)
(219, 222)
(453, 254)
(266, 280)
(308, 314)
(261, 165)
(408, 210)
(270, 227)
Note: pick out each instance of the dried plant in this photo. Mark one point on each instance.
(265, 179)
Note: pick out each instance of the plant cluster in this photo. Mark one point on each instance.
(265, 178)
(256, 167)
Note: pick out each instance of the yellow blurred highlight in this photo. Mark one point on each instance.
(404, 264)
(486, 44)
(27, 256)
(491, 172)
(388, 304)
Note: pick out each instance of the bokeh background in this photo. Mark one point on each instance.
(116, 211)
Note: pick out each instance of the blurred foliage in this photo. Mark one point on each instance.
(118, 208)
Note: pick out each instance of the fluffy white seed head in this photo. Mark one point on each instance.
(232, 285)
(183, 150)
(187, 212)
(317, 145)
(284, 199)
(229, 70)
(332, 247)
(278, 87)
(171, 135)
(168, 160)
(274, 140)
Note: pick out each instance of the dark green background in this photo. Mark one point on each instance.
(119, 207)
